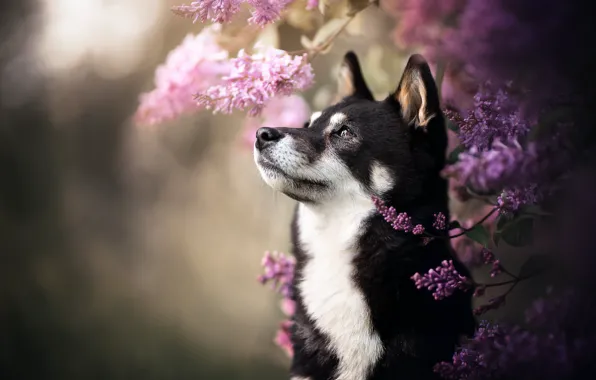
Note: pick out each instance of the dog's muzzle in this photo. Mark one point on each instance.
(266, 137)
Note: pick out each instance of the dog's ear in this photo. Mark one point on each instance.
(350, 81)
(417, 93)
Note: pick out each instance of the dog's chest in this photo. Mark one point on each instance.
(329, 292)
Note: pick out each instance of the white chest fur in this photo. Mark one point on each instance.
(328, 235)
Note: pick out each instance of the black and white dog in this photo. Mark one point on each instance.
(359, 315)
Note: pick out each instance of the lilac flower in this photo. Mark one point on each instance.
(255, 79)
(554, 345)
(219, 11)
(267, 11)
(443, 280)
(278, 271)
(501, 166)
(195, 65)
(512, 199)
(399, 222)
(283, 338)
(523, 39)
(495, 116)
(440, 222)
(489, 258)
(281, 111)
(418, 229)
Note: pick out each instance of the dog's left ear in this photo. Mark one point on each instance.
(350, 81)
(417, 93)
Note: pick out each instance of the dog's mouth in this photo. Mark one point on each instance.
(273, 171)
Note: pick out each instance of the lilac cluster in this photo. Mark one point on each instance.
(255, 79)
(195, 65)
(403, 222)
(495, 115)
(552, 348)
(443, 281)
(279, 271)
(490, 259)
(489, 170)
(221, 11)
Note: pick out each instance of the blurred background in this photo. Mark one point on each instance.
(129, 252)
(132, 252)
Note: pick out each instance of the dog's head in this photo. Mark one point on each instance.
(393, 148)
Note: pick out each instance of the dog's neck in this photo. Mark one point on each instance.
(334, 225)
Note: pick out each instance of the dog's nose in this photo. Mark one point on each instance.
(267, 136)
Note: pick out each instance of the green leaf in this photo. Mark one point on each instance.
(452, 126)
(453, 156)
(535, 264)
(519, 232)
(502, 221)
(479, 234)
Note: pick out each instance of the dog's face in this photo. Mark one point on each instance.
(359, 145)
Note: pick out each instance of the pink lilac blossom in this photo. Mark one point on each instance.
(266, 11)
(443, 281)
(256, 79)
(195, 65)
(281, 111)
(283, 338)
(440, 221)
(279, 272)
(219, 11)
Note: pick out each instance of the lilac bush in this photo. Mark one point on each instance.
(504, 84)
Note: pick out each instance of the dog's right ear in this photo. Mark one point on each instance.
(350, 81)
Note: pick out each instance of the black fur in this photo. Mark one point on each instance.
(416, 331)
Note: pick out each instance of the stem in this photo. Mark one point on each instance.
(475, 224)
(321, 47)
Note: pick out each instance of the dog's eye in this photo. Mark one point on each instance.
(344, 132)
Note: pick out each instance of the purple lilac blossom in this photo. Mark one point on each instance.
(501, 166)
(443, 281)
(399, 222)
(257, 78)
(495, 115)
(552, 346)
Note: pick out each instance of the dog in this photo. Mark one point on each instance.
(359, 315)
